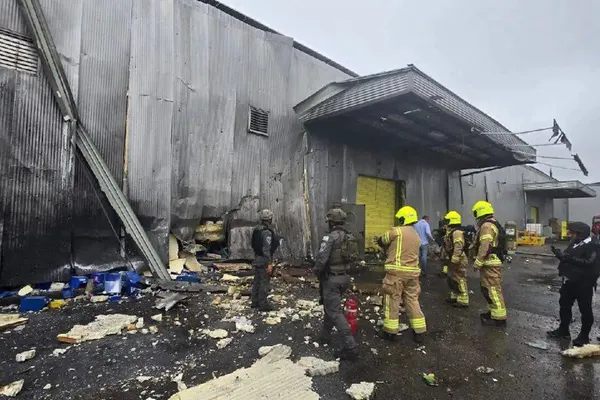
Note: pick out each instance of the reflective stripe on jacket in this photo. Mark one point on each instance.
(403, 245)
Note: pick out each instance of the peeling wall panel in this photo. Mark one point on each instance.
(151, 113)
(102, 104)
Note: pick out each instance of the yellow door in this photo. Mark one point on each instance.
(534, 214)
(379, 199)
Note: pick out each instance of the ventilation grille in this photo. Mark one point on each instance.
(258, 121)
(17, 52)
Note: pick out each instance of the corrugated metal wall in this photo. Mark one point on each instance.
(164, 88)
(335, 162)
(505, 192)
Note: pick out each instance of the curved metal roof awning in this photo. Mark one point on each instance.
(420, 114)
(560, 190)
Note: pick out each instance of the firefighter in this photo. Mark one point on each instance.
(445, 256)
(331, 267)
(401, 282)
(264, 244)
(578, 270)
(487, 261)
(454, 248)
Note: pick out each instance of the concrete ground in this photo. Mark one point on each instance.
(456, 346)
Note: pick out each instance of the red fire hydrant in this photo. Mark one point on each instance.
(351, 313)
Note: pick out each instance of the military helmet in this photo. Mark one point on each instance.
(265, 215)
(452, 218)
(336, 215)
(407, 215)
(482, 209)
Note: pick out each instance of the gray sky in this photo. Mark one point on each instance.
(522, 62)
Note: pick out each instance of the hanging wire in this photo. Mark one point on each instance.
(558, 166)
(547, 157)
(517, 133)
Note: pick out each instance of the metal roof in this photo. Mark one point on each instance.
(411, 105)
(560, 190)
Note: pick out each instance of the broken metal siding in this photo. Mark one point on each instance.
(102, 105)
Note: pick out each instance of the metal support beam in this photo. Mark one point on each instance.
(34, 17)
(481, 171)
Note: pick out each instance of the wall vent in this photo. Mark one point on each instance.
(258, 121)
(18, 52)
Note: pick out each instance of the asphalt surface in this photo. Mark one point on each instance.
(457, 344)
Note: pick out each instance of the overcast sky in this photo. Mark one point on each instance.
(522, 62)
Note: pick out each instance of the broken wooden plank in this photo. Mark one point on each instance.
(232, 267)
(181, 286)
(102, 326)
(11, 320)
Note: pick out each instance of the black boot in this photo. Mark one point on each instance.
(450, 300)
(419, 338)
(460, 305)
(346, 354)
(254, 305)
(386, 335)
(325, 339)
(485, 316)
(581, 340)
(559, 333)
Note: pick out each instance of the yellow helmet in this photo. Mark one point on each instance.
(453, 218)
(482, 209)
(407, 215)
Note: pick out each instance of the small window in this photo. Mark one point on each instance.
(258, 121)
(18, 52)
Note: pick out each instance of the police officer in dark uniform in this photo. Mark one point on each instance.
(264, 244)
(333, 275)
(578, 270)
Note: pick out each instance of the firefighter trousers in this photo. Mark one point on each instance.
(401, 286)
(457, 282)
(491, 287)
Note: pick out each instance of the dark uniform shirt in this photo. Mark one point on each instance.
(329, 252)
(579, 260)
(266, 257)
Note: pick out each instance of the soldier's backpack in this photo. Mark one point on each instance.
(350, 249)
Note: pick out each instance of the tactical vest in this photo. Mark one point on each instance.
(336, 263)
(257, 243)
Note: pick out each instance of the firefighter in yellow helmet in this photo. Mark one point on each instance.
(401, 282)
(488, 261)
(457, 261)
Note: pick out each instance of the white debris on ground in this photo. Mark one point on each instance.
(317, 367)
(12, 389)
(221, 344)
(402, 327)
(588, 350)
(26, 355)
(99, 299)
(272, 320)
(264, 350)
(216, 333)
(243, 324)
(60, 352)
(178, 379)
(140, 323)
(143, 378)
(47, 386)
(539, 344)
(274, 376)
(104, 325)
(361, 391)
(157, 318)
(485, 370)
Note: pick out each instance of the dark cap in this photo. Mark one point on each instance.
(579, 227)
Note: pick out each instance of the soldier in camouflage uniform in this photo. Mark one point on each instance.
(332, 271)
(264, 244)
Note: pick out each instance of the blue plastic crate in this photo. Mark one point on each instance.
(33, 303)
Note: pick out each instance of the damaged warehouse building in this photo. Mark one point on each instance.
(203, 114)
